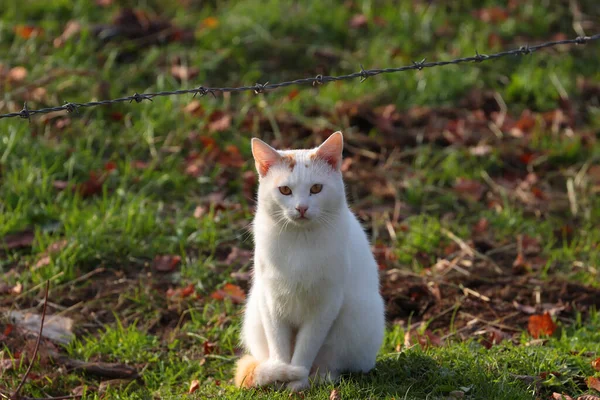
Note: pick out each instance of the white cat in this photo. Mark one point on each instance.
(314, 307)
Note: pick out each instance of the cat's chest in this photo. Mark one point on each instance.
(296, 257)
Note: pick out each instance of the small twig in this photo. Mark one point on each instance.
(15, 395)
(470, 250)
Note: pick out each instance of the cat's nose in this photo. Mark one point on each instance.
(302, 210)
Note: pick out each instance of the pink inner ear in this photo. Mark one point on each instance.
(331, 150)
(264, 155)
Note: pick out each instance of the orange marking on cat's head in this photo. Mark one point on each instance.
(290, 160)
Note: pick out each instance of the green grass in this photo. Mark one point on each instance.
(122, 311)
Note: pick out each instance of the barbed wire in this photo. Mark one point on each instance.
(315, 81)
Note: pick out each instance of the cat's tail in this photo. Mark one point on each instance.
(251, 372)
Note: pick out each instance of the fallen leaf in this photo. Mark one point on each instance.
(194, 385)
(493, 337)
(140, 164)
(209, 347)
(184, 73)
(7, 364)
(17, 74)
(17, 289)
(481, 150)
(92, 186)
(110, 166)
(28, 31)
(83, 389)
(18, 240)
(230, 291)
(182, 292)
(9, 328)
(593, 383)
(481, 226)
(520, 266)
(492, 15)
(166, 263)
(559, 396)
(239, 256)
(194, 108)
(457, 394)
(231, 157)
(358, 21)
(530, 245)
(218, 121)
(541, 325)
(425, 339)
(335, 395)
(596, 364)
(469, 189)
(71, 29)
(293, 94)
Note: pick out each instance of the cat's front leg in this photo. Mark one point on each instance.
(312, 335)
(278, 333)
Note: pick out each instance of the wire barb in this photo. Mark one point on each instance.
(480, 57)
(363, 74)
(318, 80)
(25, 112)
(258, 88)
(525, 49)
(140, 97)
(202, 91)
(70, 107)
(419, 64)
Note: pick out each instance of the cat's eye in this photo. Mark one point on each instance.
(285, 190)
(316, 188)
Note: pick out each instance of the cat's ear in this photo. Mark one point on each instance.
(264, 156)
(331, 150)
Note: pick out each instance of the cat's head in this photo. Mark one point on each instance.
(300, 188)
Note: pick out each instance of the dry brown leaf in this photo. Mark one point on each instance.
(596, 364)
(17, 289)
(166, 263)
(184, 73)
(358, 21)
(588, 397)
(541, 325)
(194, 385)
(335, 395)
(559, 396)
(481, 226)
(219, 121)
(469, 189)
(17, 74)
(230, 291)
(593, 383)
(492, 15)
(194, 108)
(28, 31)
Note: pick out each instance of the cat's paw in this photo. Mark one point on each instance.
(299, 385)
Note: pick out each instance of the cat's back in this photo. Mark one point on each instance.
(362, 262)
